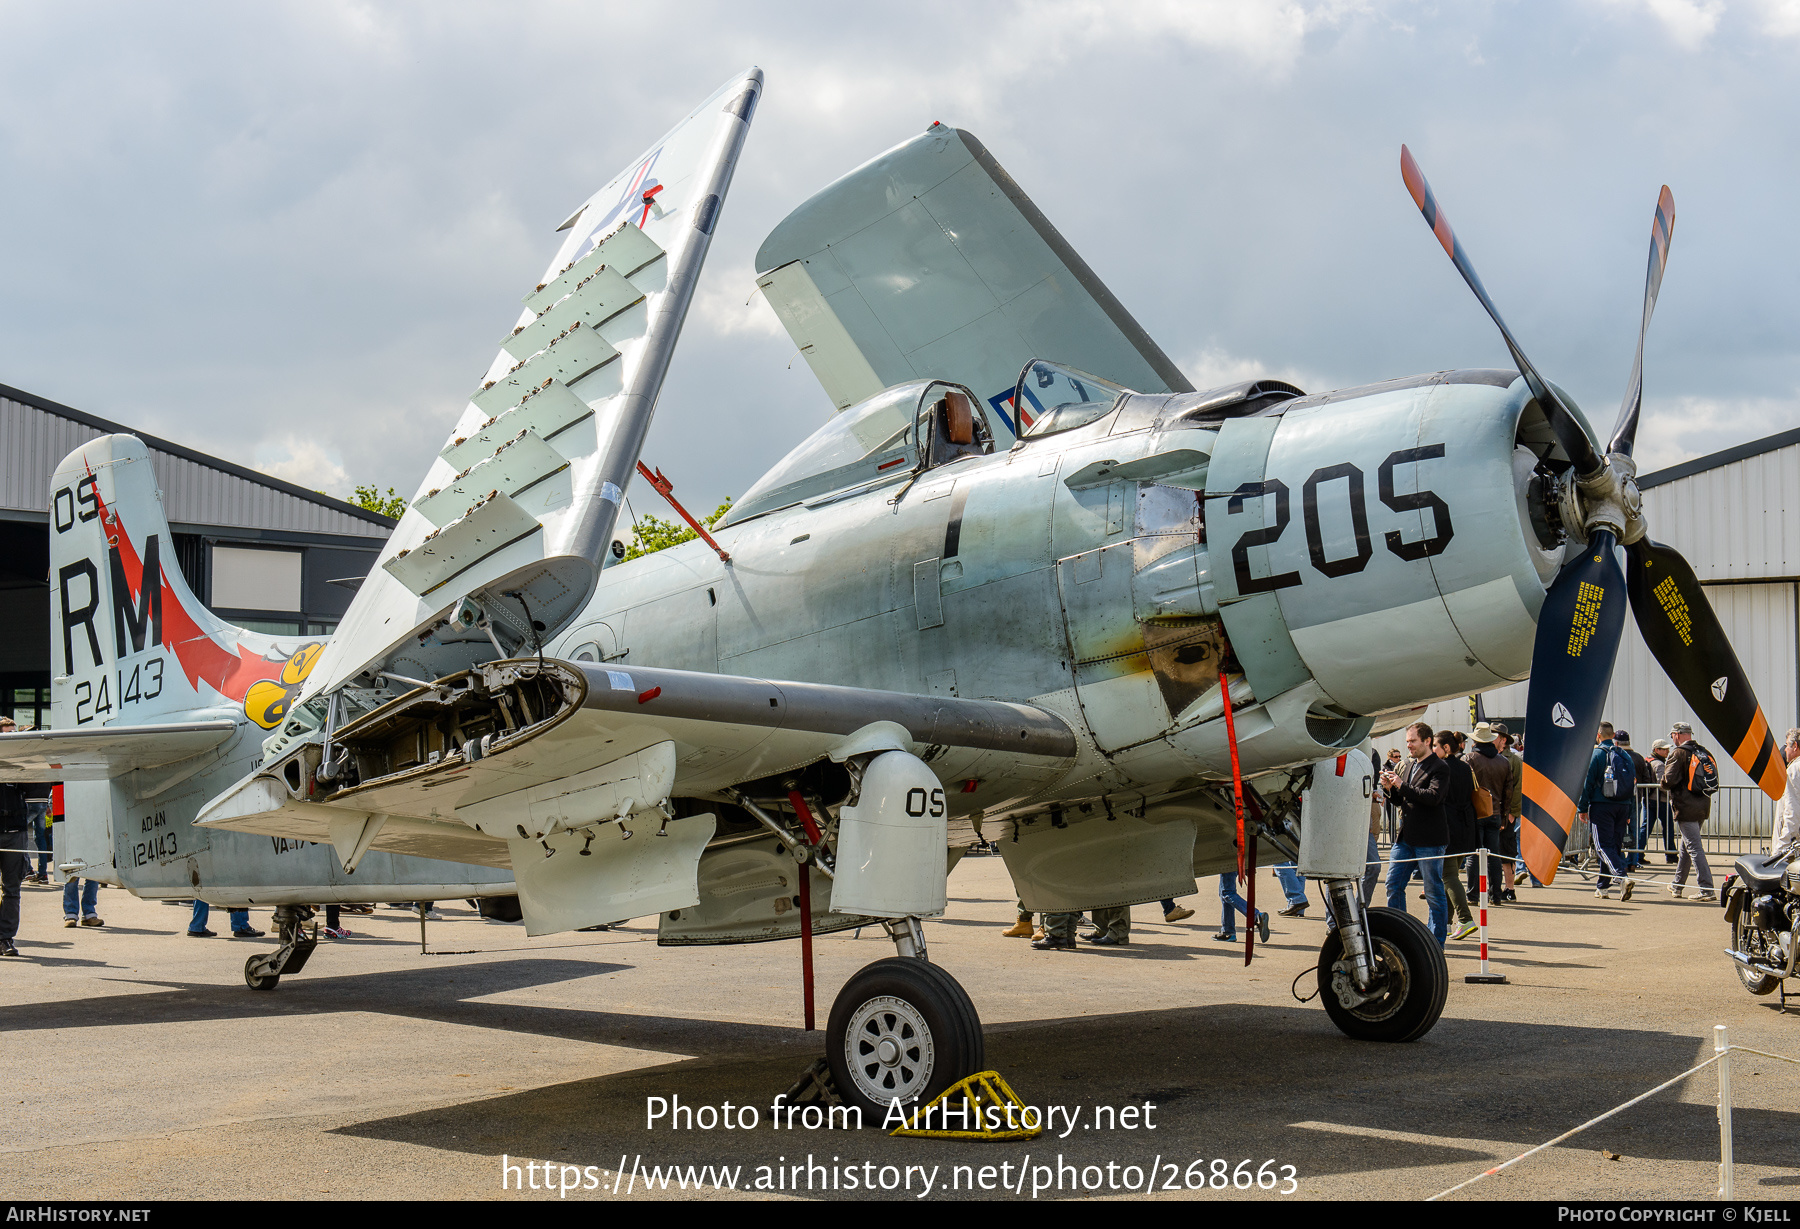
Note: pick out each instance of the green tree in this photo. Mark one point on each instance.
(654, 533)
(391, 505)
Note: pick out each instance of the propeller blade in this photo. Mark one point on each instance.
(1568, 429)
(1571, 667)
(1686, 639)
(1662, 232)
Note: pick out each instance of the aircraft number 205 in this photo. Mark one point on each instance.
(1352, 477)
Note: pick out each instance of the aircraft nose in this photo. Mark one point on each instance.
(1379, 540)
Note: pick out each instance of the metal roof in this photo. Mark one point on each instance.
(1735, 515)
(1755, 448)
(198, 489)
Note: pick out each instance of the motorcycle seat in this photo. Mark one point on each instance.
(1762, 871)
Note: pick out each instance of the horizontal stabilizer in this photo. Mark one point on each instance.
(105, 752)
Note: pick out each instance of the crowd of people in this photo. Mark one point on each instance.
(1450, 795)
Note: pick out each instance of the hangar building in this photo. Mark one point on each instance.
(261, 552)
(1735, 515)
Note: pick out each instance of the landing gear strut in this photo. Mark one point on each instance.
(1401, 995)
(901, 1029)
(297, 944)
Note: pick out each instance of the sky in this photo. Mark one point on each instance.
(292, 234)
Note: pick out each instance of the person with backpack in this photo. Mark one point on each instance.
(1606, 802)
(1691, 779)
(1493, 776)
(1637, 840)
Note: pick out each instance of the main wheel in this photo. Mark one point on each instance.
(1754, 982)
(901, 1029)
(1411, 975)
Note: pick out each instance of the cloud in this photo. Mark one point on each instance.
(1213, 367)
(304, 462)
(1688, 23)
(254, 228)
(1780, 18)
(728, 302)
(1683, 428)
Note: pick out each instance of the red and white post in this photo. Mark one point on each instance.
(1486, 976)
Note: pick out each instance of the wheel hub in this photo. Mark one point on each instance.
(1393, 980)
(888, 1049)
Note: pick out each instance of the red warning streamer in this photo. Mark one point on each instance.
(806, 950)
(1248, 878)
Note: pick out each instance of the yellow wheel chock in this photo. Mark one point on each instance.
(984, 1106)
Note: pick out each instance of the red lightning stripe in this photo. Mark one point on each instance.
(229, 672)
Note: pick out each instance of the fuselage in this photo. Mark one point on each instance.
(1344, 557)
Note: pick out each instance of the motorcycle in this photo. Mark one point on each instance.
(1762, 906)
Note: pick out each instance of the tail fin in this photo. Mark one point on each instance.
(128, 639)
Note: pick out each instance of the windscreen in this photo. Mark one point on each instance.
(863, 443)
(1051, 397)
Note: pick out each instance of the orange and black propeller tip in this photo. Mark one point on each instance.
(1583, 617)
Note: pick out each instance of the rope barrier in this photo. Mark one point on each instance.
(1488, 1173)
(1722, 1052)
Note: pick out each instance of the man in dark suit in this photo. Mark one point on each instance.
(1419, 846)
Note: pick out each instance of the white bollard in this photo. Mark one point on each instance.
(1485, 977)
(1722, 1047)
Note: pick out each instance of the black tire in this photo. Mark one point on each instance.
(1418, 981)
(930, 1021)
(258, 981)
(1756, 983)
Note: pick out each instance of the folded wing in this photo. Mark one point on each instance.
(931, 262)
(519, 504)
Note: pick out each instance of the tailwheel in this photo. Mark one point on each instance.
(256, 978)
(901, 1029)
(1411, 981)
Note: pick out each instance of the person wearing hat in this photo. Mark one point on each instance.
(1493, 773)
(1512, 812)
(1658, 806)
(1691, 807)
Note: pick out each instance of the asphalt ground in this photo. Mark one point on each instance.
(139, 1065)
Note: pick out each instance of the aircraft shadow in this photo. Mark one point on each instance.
(59, 962)
(1226, 1080)
(431, 993)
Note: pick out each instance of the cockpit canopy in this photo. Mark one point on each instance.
(900, 431)
(1052, 397)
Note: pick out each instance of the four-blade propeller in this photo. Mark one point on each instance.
(1583, 616)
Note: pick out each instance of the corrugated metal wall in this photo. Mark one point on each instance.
(35, 441)
(1739, 522)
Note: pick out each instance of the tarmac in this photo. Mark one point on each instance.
(141, 1067)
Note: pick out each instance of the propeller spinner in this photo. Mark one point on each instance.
(1583, 616)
